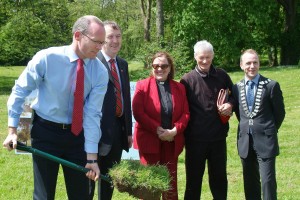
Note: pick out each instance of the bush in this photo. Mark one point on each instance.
(182, 55)
(32, 29)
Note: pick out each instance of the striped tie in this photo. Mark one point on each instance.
(117, 88)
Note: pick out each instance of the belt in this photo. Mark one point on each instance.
(54, 124)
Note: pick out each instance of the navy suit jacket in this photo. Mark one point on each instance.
(270, 113)
(109, 107)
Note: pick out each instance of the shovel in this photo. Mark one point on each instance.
(23, 147)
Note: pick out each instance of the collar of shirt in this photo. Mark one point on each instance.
(255, 79)
(74, 57)
(107, 58)
(211, 72)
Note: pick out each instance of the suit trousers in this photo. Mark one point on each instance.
(165, 157)
(196, 154)
(63, 144)
(105, 191)
(255, 169)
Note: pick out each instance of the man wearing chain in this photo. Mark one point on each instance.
(260, 111)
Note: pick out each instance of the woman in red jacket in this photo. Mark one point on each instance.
(161, 111)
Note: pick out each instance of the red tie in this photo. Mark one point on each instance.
(117, 88)
(78, 100)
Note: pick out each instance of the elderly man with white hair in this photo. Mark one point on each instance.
(208, 127)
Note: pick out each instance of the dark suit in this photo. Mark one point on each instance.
(259, 148)
(115, 130)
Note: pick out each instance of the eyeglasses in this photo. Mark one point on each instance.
(97, 42)
(163, 66)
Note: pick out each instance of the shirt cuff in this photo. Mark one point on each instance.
(91, 147)
(13, 122)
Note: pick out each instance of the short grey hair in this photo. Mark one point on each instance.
(203, 45)
(82, 24)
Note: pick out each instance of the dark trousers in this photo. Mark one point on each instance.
(105, 191)
(165, 157)
(255, 169)
(63, 144)
(196, 155)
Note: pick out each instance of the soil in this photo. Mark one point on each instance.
(140, 193)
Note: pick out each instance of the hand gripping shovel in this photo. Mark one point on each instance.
(23, 147)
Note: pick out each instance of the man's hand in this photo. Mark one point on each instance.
(94, 173)
(11, 138)
(225, 109)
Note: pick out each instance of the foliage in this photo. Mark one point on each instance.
(4, 15)
(126, 13)
(32, 29)
(178, 51)
(21, 40)
(55, 15)
(230, 25)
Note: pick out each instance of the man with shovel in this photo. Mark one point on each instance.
(71, 84)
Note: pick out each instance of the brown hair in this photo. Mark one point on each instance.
(170, 62)
(112, 24)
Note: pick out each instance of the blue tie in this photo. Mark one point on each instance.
(250, 94)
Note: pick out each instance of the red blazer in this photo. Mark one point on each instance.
(146, 109)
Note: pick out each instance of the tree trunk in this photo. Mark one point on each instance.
(272, 55)
(290, 43)
(159, 19)
(146, 12)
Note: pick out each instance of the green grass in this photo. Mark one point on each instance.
(16, 170)
(137, 71)
(131, 174)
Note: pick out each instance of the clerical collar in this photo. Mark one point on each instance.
(162, 82)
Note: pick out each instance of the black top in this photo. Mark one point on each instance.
(202, 91)
(165, 97)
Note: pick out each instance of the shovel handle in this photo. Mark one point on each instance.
(23, 147)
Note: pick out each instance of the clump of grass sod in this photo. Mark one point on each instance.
(144, 182)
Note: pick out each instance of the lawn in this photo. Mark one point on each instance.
(16, 170)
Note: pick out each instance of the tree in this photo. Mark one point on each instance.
(4, 11)
(34, 25)
(290, 43)
(159, 19)
(22, 37)
(146, 12)
(221, 22)
(270, 27)
(235, 25)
